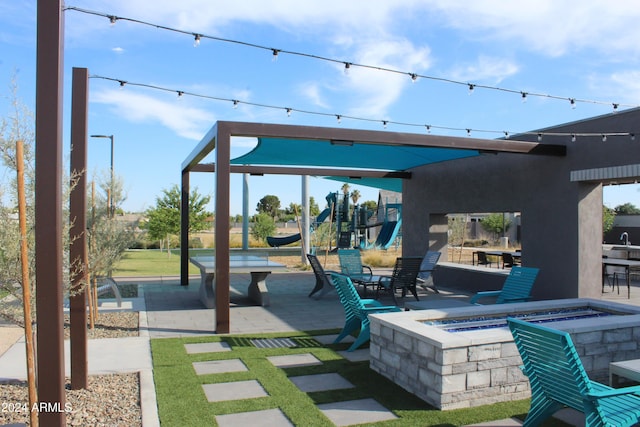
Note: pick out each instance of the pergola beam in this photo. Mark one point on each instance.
(284, 170)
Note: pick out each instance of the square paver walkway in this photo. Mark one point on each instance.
(358, 355)
(356, 412)
(320, 382)
(266, 418)
(219, 366)
(235, 390)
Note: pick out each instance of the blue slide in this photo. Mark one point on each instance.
(388, 234)
(276, 242)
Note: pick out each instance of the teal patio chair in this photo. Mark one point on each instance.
(404, 277)
(356, 310)
(351, 265)
(558, 379)
(516, 288)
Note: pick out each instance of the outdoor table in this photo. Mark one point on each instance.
(629, 369)
(515, 254)
(258, 267)
(628, 264)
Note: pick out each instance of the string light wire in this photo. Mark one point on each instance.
(348, 64)
(339, 117)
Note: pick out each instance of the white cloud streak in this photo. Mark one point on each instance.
(185, 121)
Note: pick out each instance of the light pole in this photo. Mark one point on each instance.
(110, 206)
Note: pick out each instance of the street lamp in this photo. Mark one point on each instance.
(110, 207)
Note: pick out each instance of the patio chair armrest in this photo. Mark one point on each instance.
(368, 268)
(484, 294)
(612, 392)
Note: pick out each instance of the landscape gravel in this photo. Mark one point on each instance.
(109, 400)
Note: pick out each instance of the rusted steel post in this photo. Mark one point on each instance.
(48, 212)
(78, 229)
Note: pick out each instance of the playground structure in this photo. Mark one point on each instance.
(355, 226)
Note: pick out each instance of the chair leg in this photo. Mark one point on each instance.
(351, 325)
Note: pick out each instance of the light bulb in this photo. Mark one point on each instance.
(384, 124)
(235, 103)
(414, 77)
(471, 87)
(506, 135)
(338, 118)
(615, 107)
(573, 137)
(604, 137)
(539, 137)
(572, 101)
(288, 112)
(468, 132)
(112, 20)
(274, 58)
(347, 66)
(428, 128)
(196, 40)
(524, 96)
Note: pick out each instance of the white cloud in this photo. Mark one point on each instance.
(117, 50)
(552, 27)
(375, 91)
(313, 92)
(185, 121)
(485, 69)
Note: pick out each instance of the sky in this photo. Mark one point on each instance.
(584, 50)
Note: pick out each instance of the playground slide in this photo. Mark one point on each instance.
(388, 234)
(276, 242)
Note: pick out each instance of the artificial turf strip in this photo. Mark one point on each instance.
(181, 400)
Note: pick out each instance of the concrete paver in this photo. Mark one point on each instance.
(266, 418)
(207, 347)
(219, 366)
(236, 390)
(294, 360)
(356, 412)
(320, 382)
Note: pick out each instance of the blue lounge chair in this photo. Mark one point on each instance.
(426, 268)
(516, 288)
(356, 310)
(351, 265)
(558, 379)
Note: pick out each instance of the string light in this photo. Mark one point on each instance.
(196, 40)
(347, 65)
(414, 77)
(506, 134)
(604, 137)
(524, 96)
(615, 107)
(572, 101)
(385, 123)
(471, 87)
(112, 20)
(573, 137)
(275, 54)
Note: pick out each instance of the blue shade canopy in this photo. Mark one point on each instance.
(390, 184)
(346, 154)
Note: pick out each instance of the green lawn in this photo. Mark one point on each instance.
(182, 402)
(151, 262)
